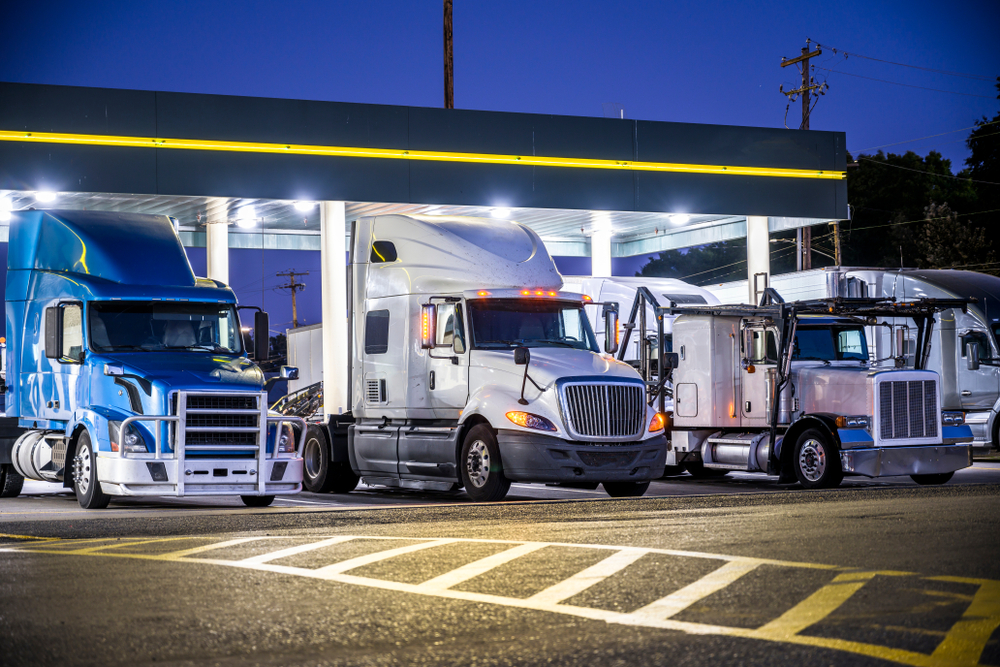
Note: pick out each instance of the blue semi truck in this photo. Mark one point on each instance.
(125, 375)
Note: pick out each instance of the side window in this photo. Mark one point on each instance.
(572, 324)
(383, 251)
(979, 338)
(377, 332)
(64, 333)
(850, 344)
(762, 346)
(450, 330)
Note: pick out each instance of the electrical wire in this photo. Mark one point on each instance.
(908, 85)
(927, 173)
(910, 222)
(889, 62)
(932, 136)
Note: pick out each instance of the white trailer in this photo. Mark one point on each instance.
(472, 366)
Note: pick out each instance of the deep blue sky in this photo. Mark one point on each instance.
(709, 61)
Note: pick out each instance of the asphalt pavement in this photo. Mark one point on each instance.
(724, 572)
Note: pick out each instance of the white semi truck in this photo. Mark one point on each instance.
(970, 385)
(788, 389)
(471, 366)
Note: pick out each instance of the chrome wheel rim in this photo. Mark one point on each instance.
(84, 461)
(477, 464)
(812, 460)
(311, 458)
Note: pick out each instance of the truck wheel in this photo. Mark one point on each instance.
(342, 479)
(257, 501)
(625, 489)
(85, 483)
(10, 481)
(316, 475)
(816, 462)
(480, 466)
(937, 478)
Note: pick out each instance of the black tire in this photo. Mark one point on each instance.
(816, 461)
(937, 478)
(342, 478)
(625, 489)
(316, 475)
(257, 501)
(699, 471)
(673, 471)
(88, 489)
(480, 467)
(10, 481)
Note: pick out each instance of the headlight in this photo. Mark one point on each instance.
(952, 418)
(658, 423)
(133, 441)
(853, 422)
(286, 443)
(528, 420)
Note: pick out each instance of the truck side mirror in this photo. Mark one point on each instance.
(53, 332)
(289, 373)
(972, 355)
(522, 356)
(428, 322)
(610, 314)
(261, 336)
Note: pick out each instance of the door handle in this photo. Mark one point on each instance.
(432, 380)
(966, 392)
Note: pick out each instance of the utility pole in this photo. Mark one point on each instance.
(294, 287)
(837, 259)
(449, 71)
(808, 85)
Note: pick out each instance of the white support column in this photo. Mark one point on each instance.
(217, 249)
(333, 249)
(600, 253)
(758, 257)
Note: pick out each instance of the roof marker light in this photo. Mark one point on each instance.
(482, 292)
(586, 297)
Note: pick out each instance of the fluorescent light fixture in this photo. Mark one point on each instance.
(680, 219)
(246, 217)
(500, 212)
(45, 196)
(602, 222)
(305, 206)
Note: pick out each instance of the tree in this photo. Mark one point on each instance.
(946, 242)
(983, 166)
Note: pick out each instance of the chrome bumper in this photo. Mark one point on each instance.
(920, 460)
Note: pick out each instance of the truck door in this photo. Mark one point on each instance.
(760, 353)
(448, 363)
(978, 388)
(63, 330)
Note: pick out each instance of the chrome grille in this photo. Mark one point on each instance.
(222, 424)
(908, 409)
(604, 410)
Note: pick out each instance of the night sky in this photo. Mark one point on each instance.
(703, 62)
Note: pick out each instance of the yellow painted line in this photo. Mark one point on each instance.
(401, 154)
(817, 606)
(12, 536)
(966, 640)
(122, 544)
(712, 582)
(588, 577)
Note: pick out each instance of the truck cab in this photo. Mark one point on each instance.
(126, 374)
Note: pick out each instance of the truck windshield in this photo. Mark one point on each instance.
(503, 324)
(830, 344)
(118, 326)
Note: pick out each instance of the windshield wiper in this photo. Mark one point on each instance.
(554, 341)
(825, 361)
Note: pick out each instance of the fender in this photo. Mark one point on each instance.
(824, 422)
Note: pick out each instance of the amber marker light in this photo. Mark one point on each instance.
(528, 420)
(482, 292)
(658, 422)
(587, 298)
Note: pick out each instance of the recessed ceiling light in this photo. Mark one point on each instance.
(305, 206)
(680, 218)
(45, 196)
(246, 217)
(500, 212)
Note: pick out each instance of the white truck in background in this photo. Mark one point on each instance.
(471, 366)
(970, 385)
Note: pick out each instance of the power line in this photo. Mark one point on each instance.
(926, 173)
(908, 85)
(910, 222)
(932, 136)
(925, 69)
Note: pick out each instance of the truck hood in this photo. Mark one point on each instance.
(549, 364)
(839, 390)
(191, 370)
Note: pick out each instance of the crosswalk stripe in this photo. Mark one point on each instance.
(296, 550)
(478, 567)
(183, 553)
(712, 582)
(584, 579)
(343, 566)
(966, 640)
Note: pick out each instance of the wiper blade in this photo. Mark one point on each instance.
(554, 341)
